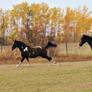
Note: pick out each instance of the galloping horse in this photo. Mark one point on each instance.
(32, 52)
(84, 39)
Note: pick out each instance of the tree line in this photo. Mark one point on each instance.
(38, 23)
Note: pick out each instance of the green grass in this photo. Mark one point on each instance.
(62, 77)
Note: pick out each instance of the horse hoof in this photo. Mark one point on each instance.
(17, 66)
(28, 65)
(55, 62)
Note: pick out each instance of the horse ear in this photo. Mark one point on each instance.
(15, 40)
(84, 35)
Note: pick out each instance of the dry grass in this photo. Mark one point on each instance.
(74, 49)
(75, 53)
(63, 77)
(42, 77)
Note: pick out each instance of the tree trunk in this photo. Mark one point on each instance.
(66, 45)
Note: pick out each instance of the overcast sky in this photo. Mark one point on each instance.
(8, 4)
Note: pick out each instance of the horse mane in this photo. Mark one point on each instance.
(86, 36)
(21, 43)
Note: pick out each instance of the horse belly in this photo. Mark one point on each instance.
(33, 54)
(44, 52)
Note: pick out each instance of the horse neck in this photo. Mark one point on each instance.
(21, 47)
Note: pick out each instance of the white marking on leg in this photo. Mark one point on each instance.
(50, 64)
(18, 64)
(28, 63)
(53, 61)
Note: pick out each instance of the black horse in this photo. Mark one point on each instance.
(32, 52)
(84, 39)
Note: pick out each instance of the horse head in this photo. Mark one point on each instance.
(83, 40)
(14, 45)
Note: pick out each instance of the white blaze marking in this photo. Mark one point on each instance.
(26, 49)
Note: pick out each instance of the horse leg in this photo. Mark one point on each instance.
(49, 59)
(28, 61)
(20, 62)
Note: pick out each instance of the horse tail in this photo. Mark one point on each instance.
(49, 44)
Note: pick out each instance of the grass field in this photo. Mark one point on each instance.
(42, 77)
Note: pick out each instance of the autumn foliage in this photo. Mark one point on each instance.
(38, 23)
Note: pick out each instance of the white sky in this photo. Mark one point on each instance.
(8, 4)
